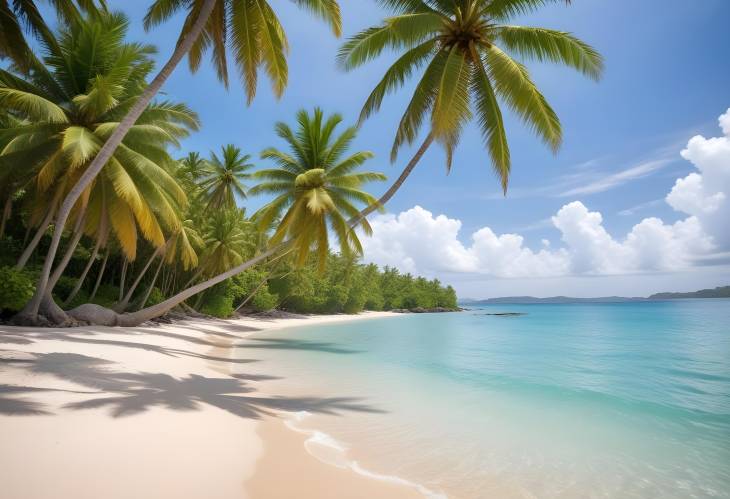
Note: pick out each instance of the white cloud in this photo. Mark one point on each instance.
(419, 242)
(416, 241)
(704, 194)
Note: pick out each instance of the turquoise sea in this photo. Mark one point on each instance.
(628, 400)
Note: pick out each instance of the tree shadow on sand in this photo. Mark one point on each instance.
(129, 393)
(15, 406)
(12, 405)
(85, 336)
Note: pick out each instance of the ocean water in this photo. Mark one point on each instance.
(627, 400)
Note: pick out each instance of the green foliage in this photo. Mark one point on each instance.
(218, 300)
(16, 288)
(156, 297)
(349, 287)
(250, 281)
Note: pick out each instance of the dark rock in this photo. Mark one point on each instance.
(506, 314)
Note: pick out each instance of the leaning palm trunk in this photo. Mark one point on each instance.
(147, 294)
(100, 240)
(396, 185)
(48, 306)
(124, 302)
(125, 266)
(29, 314)
(101, 274)
(28, 251)
(7, 210)
(82, 278)
(96, 314)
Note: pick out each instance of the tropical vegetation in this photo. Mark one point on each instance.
(86, 169)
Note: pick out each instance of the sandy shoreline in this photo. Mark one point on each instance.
(158, 412)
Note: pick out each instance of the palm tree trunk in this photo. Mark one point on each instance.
(125, 265)
(30, 311)
(100, 239)
(27, 234)
(199, 301)
(7, 210)
(152, 284)
(48, 306)
(101, 274)
(122, 305)
(82, 277)
(396, 185)
(28, 251)
(58, 271)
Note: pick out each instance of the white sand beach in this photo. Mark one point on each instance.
(158, 412)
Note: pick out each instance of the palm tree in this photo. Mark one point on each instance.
(462, 46)
(192, 167)
(224, 178)
(256, 38)
(315, 186)
(229, 239)
(16, 15)
(316, 190)
(67, 115)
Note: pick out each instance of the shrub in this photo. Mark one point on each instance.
(218, 300)
(156, 297)
(16, 288)
(264, 300)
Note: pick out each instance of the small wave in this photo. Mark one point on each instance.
(320, 439)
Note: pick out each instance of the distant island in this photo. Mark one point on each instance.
(719, 292)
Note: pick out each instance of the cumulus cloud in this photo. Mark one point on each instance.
(704, 194)
(419, 242)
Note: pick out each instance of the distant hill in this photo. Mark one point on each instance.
(552, 299)
(719, 292)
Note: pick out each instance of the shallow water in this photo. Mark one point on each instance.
(627, 400)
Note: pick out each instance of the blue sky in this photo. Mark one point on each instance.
(666, 80)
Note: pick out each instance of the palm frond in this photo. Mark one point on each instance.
(491, 123)
(555, 46)
(513, 83)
